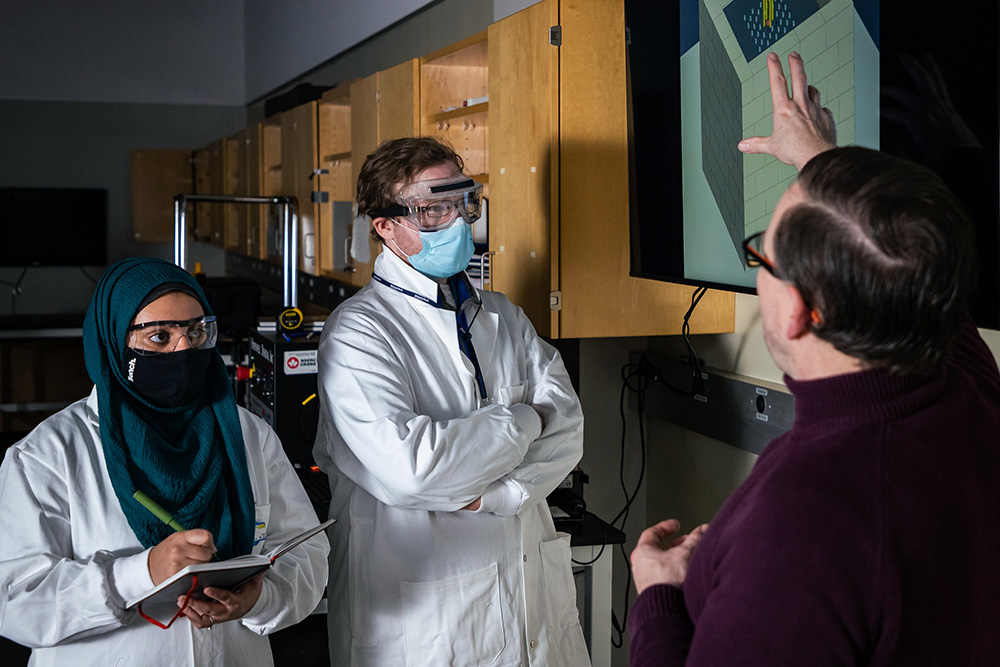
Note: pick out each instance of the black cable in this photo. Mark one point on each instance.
(604, 543)
(644, 371)
(693, 359)
(15, 290)
(90, 277)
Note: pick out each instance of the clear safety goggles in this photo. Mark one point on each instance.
(436, 204)
(166, 336)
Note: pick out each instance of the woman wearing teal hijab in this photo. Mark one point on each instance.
(161, 420)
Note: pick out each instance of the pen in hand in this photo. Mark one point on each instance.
(161, 514)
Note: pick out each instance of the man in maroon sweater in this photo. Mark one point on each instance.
(869, 534)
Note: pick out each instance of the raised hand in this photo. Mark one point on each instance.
(803, 127)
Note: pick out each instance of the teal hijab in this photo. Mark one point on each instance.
(190, 459)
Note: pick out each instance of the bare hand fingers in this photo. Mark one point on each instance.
(831, 124)
(656, 535)
(797, 72)
(755, 145)
(776, 76)
(814, 96)
(199, 620)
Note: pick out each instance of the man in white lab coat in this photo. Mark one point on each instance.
(445, 421)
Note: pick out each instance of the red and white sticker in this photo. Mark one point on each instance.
(301, 362)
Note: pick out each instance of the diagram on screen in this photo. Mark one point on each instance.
(734, 100)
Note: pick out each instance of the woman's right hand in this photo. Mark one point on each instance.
(178, 551)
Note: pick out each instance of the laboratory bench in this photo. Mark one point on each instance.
(592, 544)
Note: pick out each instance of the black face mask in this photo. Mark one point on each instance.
(169, 380)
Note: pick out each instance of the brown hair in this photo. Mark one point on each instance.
(390, 168)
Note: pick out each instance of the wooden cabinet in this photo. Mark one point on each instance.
(559, 218)
(264, 179)
(454, 102)
(234, 169)
(536, 107)
(299, 160)
(334, 181)
(384, 106)
(524, 162)
(157, 177)
(39, 376)
(209, 167)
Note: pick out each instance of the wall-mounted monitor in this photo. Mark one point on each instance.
(53, 227)
(698, 84)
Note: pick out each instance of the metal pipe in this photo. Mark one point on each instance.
(290, 261)
(290, 222)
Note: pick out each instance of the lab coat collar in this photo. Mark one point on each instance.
(442, 322)
(92, 405)
(391, 267)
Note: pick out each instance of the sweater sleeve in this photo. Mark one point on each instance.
(793, 577)
(660, 629)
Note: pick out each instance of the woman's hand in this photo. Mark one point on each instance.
(178, 551)
(224, 605)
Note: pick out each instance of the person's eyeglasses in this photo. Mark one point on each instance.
(166, 336)
(753, 253)
(439, 205)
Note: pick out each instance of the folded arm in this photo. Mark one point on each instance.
(559, 447)
(398, 455)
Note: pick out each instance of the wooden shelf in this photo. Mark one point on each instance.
(345, 155)
(460, 112)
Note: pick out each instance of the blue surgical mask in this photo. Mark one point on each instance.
(445, 252)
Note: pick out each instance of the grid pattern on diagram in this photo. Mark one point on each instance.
(721, 126)
(826, 41)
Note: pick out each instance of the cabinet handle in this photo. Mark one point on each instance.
(485, 270)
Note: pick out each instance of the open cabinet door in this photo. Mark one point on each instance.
(524, 162)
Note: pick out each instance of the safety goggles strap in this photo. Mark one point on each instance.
(449, 187)
(393, 211)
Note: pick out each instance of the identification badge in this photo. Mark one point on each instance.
(259, 533)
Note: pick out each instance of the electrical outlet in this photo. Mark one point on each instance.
(741, 411)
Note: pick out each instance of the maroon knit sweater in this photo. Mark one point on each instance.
(869, 534)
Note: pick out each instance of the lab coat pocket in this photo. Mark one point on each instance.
(262, 513)
(558, 589)
(453, 621)
(513, 395)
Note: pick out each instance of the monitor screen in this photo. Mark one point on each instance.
(53, 227)
(698, 84)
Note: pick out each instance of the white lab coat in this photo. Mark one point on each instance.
(69, 561)
(415, 581)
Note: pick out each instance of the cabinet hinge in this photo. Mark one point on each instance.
(555, 35)
(555, 300)
(320, 197)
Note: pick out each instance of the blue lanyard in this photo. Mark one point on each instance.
(464, 334)
(419, 297)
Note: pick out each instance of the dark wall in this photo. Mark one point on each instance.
(87, 144)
